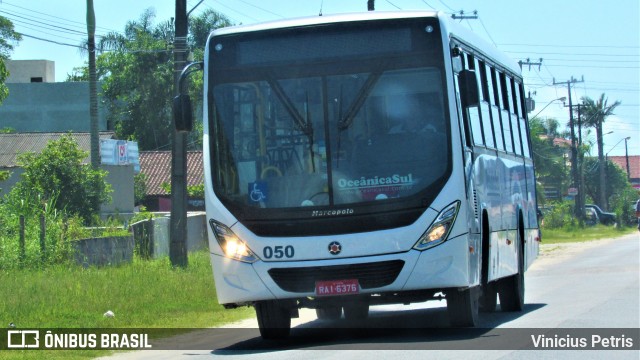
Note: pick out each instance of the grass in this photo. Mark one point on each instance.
(564, 235)
(144, 294)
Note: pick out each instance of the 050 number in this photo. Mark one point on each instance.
(278, 252)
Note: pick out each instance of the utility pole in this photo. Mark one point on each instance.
(626, 155)
(462, 16)
(580, 164)
(579, 207)
(529, 63)
(371, 6)
(178, 225)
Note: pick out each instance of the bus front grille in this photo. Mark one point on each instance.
(369, 275)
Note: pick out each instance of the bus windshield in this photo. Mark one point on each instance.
(329, 131)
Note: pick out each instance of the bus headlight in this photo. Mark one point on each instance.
(440, 228)
(231, 245)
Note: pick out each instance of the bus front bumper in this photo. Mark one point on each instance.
(444, 266)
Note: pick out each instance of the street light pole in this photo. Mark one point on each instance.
(606, 157)
(550, 102)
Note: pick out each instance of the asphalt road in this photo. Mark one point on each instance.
(578, 292)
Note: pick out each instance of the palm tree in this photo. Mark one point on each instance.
(595, 113)
(93, 91)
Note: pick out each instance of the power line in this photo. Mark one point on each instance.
(260, 8)
(30, 20)
(394, 5)
(82, 24)
(577, 46)
(572, 54)
(51, 41)
(41, 29)
(487, 31)
(234, 10)
(429, 5)
(594, 60)
(596, 67)
(447, 6)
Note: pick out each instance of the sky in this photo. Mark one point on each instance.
(593, 41)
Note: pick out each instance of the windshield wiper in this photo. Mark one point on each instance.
(304, 126)
(359, 100)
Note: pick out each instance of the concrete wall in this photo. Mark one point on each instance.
(155, 242)
(121, 179)
(22, 71)
(49, 107)
(104, 251)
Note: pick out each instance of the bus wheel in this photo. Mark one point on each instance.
(511, 289)
(356, 311)
(274, 320)
(462, 307)
(329, 313)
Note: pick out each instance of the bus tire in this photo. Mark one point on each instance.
(274, 320)
(356, 311)
(462, 307)
(511, 289)
(329, 313)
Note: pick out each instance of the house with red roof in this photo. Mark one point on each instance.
(630, 164)
(156, 167)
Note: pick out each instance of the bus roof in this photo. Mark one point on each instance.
(325, 19)
(452, 28)
(477, 43)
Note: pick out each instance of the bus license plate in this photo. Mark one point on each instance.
(337, 287)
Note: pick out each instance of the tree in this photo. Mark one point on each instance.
(138, 81)
(616, 184)
(57, 175)
(199, 28)
(7, 36)
(594, 114)
(137, 76)
(93, 91)
(549, 159)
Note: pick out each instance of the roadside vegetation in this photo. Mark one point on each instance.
(559, 224)
(56, 201)
(143, 294)
(569, 235)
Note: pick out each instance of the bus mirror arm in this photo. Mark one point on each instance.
(182, 113)
(469, 94)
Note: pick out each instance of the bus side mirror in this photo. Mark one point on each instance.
(182, 115)
(469, 93)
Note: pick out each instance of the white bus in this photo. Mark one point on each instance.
(365, 159)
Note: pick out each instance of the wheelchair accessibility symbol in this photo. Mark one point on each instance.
(258, 191)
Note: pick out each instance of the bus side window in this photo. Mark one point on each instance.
(507, 118)
(522, 120)
(495, 108)
(515, 123)
(475, 116)
(485, 106)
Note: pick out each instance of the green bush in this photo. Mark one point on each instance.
(559, 216)
(58, 177)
